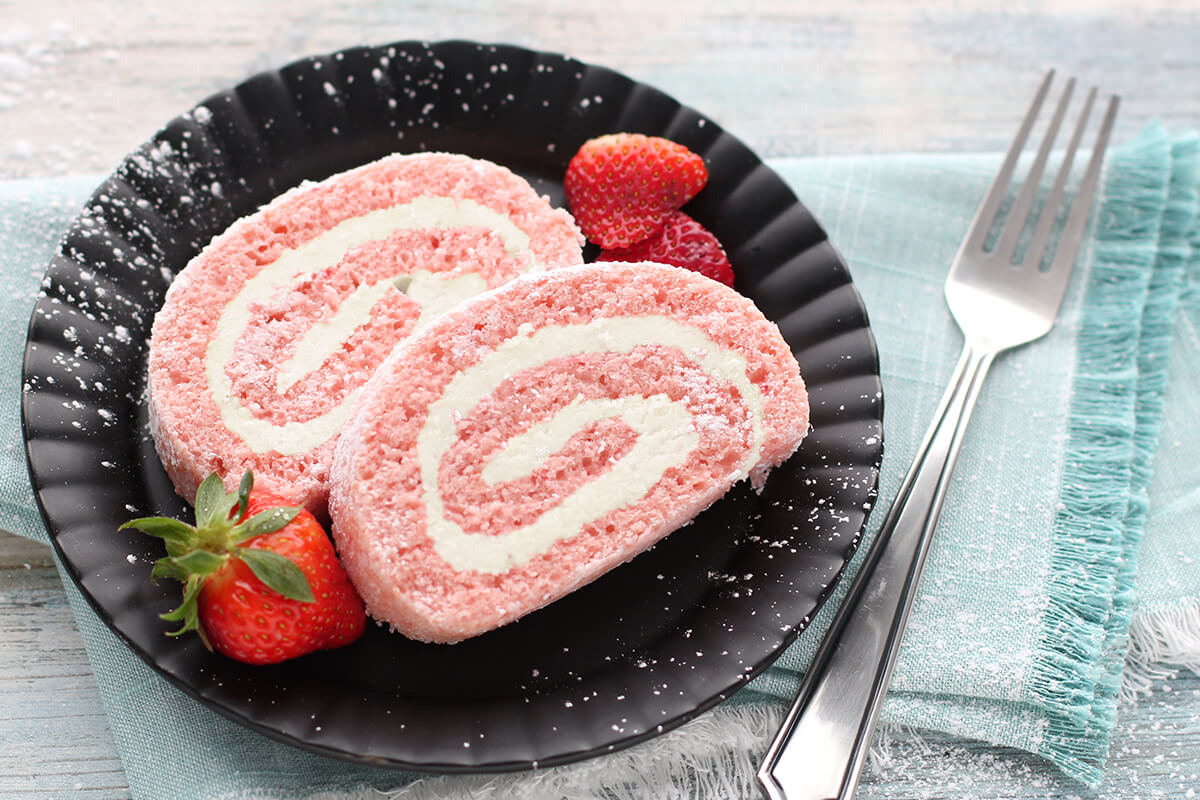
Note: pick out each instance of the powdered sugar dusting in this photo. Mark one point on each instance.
(122, 244)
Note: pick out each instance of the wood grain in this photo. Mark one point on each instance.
(82, 83)
(55, 740)
(80, 87)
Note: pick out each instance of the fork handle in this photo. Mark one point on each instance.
(819, 751)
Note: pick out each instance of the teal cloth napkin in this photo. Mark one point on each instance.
(1032, 594)
(1027, 603)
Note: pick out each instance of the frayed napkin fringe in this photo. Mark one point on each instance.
(713, 757)
(1161, 643)
(1075, 678)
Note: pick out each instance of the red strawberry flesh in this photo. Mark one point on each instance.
(682, 242)
(621, 187)
(261, 580)
(248, 621)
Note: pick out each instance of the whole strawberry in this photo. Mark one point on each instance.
(621, 187)
(261, 580)
(682, 242)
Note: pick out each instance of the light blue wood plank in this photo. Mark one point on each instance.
(80, 85)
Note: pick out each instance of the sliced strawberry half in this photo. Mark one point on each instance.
(682, 242)
(621, 187)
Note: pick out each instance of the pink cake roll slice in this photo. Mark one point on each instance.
(267, 336)
(538, 435)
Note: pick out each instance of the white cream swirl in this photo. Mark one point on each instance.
(327, 249)
(665, 429)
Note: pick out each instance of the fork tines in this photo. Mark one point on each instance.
(1006, 242)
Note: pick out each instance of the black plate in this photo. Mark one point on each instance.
(644, 649)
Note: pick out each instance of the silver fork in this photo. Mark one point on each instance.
(819, 751)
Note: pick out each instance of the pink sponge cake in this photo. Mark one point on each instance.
(267, 336)
(540, 434)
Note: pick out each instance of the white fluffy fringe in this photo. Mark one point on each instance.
(714, 756)
(1161, 643)
(711, 758)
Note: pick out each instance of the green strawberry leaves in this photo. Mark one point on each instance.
(213, 504)
(278, 572)
(267, 521)
(196, 551)
(177, 535)
(243, 493)
(199, 562)
(188, 612)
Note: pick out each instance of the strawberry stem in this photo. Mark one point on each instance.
(196, 551)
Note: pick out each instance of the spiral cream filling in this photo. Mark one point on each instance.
(666, 433)
(433, 293)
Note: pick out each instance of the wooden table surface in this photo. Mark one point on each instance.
(82, 83)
